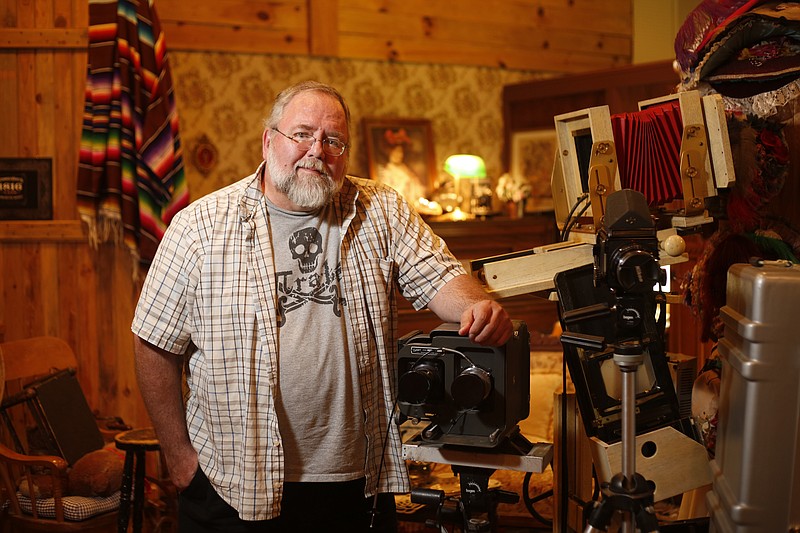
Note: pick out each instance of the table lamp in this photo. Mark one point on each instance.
(469, 167)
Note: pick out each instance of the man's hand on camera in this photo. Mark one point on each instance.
(486, 323)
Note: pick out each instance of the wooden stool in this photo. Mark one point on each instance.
(134, 443)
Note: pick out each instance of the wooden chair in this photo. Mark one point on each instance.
(24, 361)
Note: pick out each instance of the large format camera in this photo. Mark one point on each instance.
(472, 395)
(613, 305)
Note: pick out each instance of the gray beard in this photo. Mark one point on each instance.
(309, 193)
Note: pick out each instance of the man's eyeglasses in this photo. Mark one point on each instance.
(305, 141)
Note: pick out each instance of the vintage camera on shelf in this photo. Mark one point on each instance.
(472, 395)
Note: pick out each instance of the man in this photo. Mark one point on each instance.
(275, 296)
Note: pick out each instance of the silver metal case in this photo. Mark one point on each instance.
(756, 468)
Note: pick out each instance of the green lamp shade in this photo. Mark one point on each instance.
(465, 166)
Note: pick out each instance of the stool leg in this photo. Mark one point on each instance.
(125, 494)
(138, 500)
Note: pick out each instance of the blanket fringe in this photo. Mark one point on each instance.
(106, 227)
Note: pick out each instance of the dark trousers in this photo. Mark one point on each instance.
(305, 507)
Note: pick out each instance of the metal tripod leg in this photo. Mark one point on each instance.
(628, 492)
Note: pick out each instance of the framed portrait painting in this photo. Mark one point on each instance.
(400, 154)
(532, 156)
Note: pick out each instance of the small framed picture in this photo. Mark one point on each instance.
(26, 189)
(400, 154)
(532, 156)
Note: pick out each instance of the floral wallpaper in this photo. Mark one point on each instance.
(223, 99)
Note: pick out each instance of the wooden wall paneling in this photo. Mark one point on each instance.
(27, 130)
(107, 352)
(284, 15)
(513, 35)
(24, 38)
(8, 16)
(26, 16)
(73, 319)
(66, 132)
(374, 47)
(20, 265)
(236, 26)
(524, 35)
(43, 13)
(86, 317)
(67, 109)
(69, 66)
(48, 313)
(323, 27)
(42, 231)
(604, 16)
(73, 106)
(103, 361)
(64, 14)
(9, 140)
(202, 37)
(609, 16)
(46, 117)
(119, 354)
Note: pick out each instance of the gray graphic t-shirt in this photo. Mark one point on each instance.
(318, 402)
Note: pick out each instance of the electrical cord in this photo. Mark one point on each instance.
(374, 511)
(572, 219)
(526, 497)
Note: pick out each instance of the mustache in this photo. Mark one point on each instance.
(314, 164)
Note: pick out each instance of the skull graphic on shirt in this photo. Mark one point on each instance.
(306, 247)
(312, 282)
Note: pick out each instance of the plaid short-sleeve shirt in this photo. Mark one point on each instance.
(211, 294)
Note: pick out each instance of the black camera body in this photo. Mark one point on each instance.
(626, 247)
(626, 259)
(472, 395)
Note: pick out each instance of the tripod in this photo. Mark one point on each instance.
(627, 492)
(622, 306)
(476, 510)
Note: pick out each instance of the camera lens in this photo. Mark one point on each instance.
(636, 269)
(471, 387)
(418, 384)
